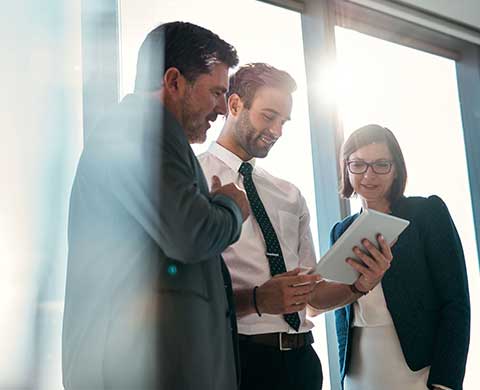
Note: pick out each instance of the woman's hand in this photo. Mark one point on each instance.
(374, 265)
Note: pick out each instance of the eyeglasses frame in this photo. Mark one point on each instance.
(370, 165)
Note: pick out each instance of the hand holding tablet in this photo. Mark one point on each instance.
(288, 292)
(306, 271)
(368, 225)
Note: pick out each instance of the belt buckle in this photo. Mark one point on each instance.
(281, 344)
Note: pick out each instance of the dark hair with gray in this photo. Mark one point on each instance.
(192, 49)
(250, 77)
(367, 135)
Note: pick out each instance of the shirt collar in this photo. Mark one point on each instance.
(229, 158)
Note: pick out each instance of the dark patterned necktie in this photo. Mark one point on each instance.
(274, 252)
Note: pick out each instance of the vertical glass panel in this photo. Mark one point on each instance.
(41, 125)
(414, 94)
(255, 41)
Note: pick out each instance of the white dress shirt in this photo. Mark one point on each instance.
(246, 259)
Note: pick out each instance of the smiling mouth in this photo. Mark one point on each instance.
(267, 141)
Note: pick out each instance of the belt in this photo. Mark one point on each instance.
(282, 341)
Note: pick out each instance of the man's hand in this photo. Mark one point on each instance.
(286, 293)
(374, 266)
(232, 191)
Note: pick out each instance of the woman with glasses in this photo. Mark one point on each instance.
(411, 331)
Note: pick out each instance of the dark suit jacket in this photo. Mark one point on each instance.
(426, 291)
(146, 305)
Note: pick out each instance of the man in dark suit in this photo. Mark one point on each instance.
(148, 298)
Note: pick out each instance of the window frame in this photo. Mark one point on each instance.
(100, 59)
(318, 24)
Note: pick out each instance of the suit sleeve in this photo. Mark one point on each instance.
(446, 263)
(157, 184)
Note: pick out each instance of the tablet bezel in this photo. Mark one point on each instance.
(369, 224)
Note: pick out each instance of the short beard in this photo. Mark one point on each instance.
(246, 134)
(191, 128)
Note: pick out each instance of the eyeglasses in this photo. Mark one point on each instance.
(380, 167)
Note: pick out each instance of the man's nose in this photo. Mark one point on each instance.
(276, 129)
(221, 108)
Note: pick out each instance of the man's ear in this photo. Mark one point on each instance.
(174, 82)
(235, 104)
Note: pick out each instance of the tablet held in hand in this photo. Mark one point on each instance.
(369, 224)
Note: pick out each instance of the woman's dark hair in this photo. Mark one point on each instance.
(367, 135)
(192, 49)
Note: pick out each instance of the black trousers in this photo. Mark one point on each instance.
(268, 368)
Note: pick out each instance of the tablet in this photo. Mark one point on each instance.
(369, 224)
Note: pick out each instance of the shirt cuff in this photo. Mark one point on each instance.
(441, 387)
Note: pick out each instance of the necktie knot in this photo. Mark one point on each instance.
(245, 169)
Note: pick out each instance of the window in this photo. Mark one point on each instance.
(415, 95)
